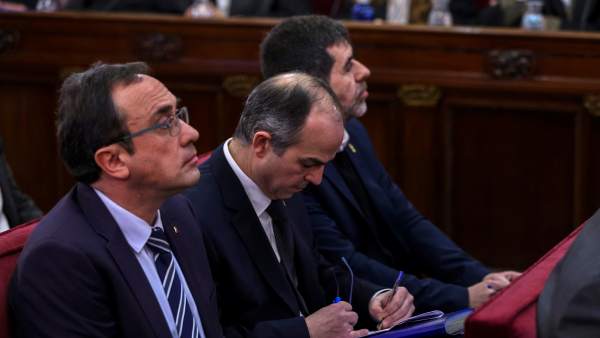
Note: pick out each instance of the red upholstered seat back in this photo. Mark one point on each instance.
(512, 313)
(11, 244)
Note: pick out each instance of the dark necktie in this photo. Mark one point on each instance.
(165, 266)
(284, 239)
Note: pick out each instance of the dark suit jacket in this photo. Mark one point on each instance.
(158, 6)
(569, 305)
(17, 207)
(78, 277)
(237, 7)
(585, 14)
(255, 299)
(398, 238)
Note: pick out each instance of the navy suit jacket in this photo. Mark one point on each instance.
(78, 277)
(399, 238)
(255, 299)
(569, 305)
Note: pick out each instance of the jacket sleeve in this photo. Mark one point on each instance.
(77, 300)
(430, 252)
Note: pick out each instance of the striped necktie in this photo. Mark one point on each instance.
(172, 284)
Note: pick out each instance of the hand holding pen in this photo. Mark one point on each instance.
(392, 306)
(395, 287)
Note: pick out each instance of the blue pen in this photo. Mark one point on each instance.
(394, 289)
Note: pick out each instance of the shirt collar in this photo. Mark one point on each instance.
(258, 199)
(136, 230)
(345, 141)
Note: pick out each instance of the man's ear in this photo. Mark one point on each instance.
(110, 159)
(261, 143)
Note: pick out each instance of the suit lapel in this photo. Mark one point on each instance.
(252, 235)
(102, 221)
(372, 189)
(333, 175)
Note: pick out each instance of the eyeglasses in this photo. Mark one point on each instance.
(338, 298)
(172, 124)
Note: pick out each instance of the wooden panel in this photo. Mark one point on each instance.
(513, 179)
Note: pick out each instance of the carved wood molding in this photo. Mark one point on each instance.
(159, 47)
(8, 40)
(240, 85)
(419, 95)
(592, 104)
(511, 64)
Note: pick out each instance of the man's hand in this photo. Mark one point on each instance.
(481, 292)
(503, 275)
(390, 311)
(334, 321)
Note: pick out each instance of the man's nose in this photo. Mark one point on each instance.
(188, 133)
(315, 176)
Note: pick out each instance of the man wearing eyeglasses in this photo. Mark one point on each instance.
(271, 281)
(120, 255)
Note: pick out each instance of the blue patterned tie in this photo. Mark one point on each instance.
(165, 266)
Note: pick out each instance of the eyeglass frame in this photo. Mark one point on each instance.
(173, 120)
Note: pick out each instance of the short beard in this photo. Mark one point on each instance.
(357, 110)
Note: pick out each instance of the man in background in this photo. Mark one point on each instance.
(569, 305)
(358, 212)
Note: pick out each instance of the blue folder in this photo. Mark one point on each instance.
(435, 324)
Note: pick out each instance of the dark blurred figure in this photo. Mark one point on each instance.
(476, 13)
(569, 305)
(576, 15)
(464, 12)
(158, 6)
(16, 207)
(266, 8)
(17, 5)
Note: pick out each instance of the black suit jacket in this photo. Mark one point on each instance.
(255, 299)
(237, 7)
(17, 207)
(569, 305)
(585, 14)
(78, 277)
(396, 237)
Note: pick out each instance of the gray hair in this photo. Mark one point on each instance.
(281, 105)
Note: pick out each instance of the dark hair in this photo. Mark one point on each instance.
(280, 106)
(300, 44)
(87, 119)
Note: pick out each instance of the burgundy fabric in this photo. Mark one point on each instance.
(11, 244)
(512, 313)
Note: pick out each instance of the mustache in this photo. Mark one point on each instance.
(361, 88)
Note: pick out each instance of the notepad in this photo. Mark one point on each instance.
(427, 324)
(414, 319)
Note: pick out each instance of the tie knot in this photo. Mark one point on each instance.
(277, 210)
(158, 240)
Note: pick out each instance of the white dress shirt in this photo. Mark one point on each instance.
(137, 232)
(260, 202)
